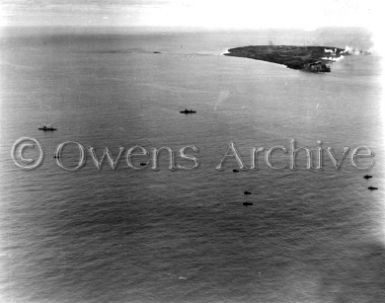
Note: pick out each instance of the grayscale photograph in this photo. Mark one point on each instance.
(192, 151)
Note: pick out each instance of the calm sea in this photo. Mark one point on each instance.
(184, 236)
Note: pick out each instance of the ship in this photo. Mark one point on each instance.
(46, 128)
(188, 111)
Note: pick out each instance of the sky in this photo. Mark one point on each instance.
(208, 14)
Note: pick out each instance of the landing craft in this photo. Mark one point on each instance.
(188, 111)
(47, 128)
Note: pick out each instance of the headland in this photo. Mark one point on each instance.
(307, 58)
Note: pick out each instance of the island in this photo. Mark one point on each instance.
(314, 59)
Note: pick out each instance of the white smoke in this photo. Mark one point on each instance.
(334, 59)
(349, 50)
(331, 51)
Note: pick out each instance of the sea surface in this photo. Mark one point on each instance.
(128, 235)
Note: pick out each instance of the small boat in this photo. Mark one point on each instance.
(56, 157)
(247, 203)
(372, 188)
(47, 128)
(367, 177)
(235, 170)
(246, 192)
(143, 163)
(188, 111)
(157, 52)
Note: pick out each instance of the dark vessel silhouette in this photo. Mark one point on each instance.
(316, 67)
(235, 170)
(247, 203)
(246, 192)
(188, 111)
(367, 177)
(372, 188)
(47, 128)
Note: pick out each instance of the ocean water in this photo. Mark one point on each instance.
(129, 235)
